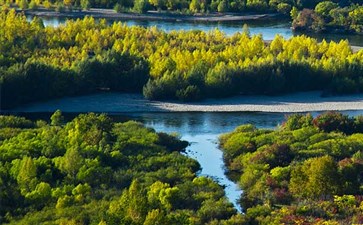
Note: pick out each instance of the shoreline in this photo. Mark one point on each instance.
(136, 103)
(151, 15)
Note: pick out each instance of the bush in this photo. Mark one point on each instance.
(334, 121)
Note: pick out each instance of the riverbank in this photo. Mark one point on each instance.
(129, 103)
(151, 15)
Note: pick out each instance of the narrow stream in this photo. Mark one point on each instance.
(202, 130)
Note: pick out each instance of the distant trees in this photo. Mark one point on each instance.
(184, 6)
(330, 16)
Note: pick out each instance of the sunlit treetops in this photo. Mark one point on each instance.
(186, 65)
(93, 170)
(307, 170)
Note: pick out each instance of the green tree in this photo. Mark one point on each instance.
(85, 4)
(71, 162)
(140, 6)
(324, 8)
(57, 118)
(294, 13)
(222, 6)
(27, 175)
(317, 178)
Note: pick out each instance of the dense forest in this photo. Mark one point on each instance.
(84, 56)
(92, 170)
(307, 171)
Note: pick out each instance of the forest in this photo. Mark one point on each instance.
(92, 170)
(307, 171)
(86, 56)
(330, 16)
(178, 6)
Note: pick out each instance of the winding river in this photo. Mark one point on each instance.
(202, 130)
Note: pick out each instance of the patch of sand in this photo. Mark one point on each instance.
(126, 103)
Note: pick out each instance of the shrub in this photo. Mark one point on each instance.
(334, 121)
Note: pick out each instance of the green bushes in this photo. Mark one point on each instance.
(93, 170)
(330, 16)
(300, 171)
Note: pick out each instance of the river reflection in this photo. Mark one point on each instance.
(207, 123)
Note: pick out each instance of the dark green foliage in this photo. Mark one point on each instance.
(334, 121)
(37, 81)
(190, 93)
(330, 16)
(15, 122)
(306, 170)
(93, 171)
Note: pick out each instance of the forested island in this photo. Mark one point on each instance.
(85, 56)
(307, 171)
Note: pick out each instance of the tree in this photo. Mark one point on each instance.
(23, 4)
(316, 178)
(71, 162)
(222, 6)
(68, 3)
(159, 4)
(140, 6)
(284, 8)
(85, 4)
(27, 175)
(57, 118)
(194, 6)
(294, 13)
(324, 8)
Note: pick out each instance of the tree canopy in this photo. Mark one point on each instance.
(93, 170)
(306, 171)
(85, 56)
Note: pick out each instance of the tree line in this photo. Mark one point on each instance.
(182, 6)
(85, 55)
(92, 170)
(330, 16)
(306, 171)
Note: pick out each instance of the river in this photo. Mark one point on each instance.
(202, 130)
(268, 28)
